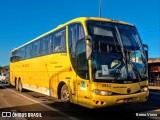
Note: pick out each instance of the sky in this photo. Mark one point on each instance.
(23, 20)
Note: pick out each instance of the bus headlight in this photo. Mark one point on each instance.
(144, 89)
(102, 92)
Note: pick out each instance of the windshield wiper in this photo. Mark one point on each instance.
(122, 49)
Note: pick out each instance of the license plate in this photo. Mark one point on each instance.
(128, 100)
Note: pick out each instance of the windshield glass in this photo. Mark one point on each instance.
(117, 52)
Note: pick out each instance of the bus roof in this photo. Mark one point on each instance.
(80, 19)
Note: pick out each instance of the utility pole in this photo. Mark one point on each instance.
(100, 8)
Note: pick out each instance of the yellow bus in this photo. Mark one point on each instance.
(93, 62)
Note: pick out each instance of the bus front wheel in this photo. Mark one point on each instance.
(64, 93)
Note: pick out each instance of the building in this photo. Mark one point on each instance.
(154, 70)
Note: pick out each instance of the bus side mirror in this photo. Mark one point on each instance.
(88, 47)
(146, 50)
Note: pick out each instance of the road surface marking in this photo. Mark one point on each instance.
(42, 104)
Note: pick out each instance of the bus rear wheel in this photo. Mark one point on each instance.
(20, 88)
(65, 93)
(16, 84)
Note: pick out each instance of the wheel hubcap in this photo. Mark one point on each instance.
(65, 95)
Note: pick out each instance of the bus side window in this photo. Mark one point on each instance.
(50, 43)
(59, 41)
(77, 50)
(36, 48)
(76, 33)
(63, 41)
(23, 53)
(45, 42)
(72, 31)
(28, 51)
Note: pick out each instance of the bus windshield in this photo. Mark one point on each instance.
(118, 54)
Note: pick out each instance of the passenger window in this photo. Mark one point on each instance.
(36, 48)
(77, 49)
(22, 50)
(76, 33)
(28, 51)
(45, 45)
(59, 41)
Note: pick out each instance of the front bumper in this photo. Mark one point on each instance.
(98, 101)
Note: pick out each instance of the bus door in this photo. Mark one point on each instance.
(82, 72)
(82, 90)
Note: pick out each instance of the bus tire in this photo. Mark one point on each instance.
(65, 94)
(16, 84)
(20, 87)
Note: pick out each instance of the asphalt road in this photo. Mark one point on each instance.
(47, 108)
